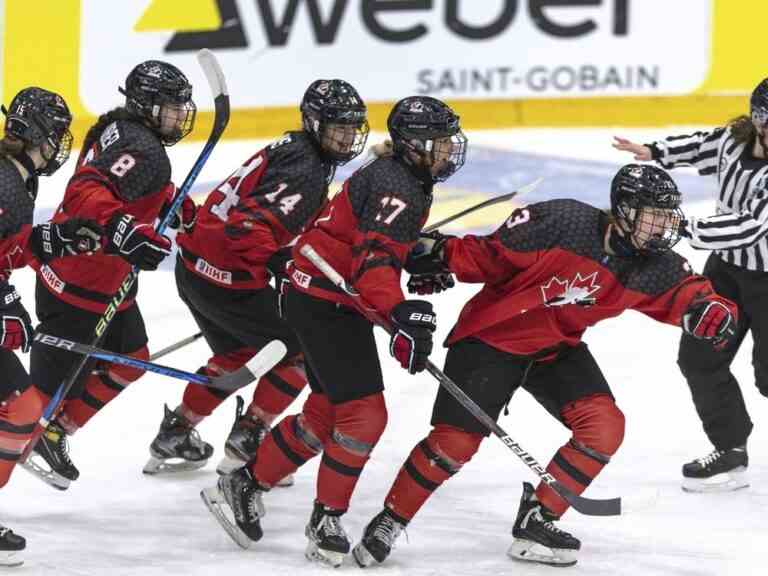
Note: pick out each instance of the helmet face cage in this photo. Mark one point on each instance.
(160, 93)
(40, 118)
(646, 203)
(428, 128)
(336, 117)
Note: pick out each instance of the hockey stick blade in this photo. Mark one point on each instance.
(266, 359)
(490, 202)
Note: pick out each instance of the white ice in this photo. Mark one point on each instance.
(115, 521)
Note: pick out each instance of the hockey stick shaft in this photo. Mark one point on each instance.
(587, 506)
(173, 347)
(218, 87)
(490, 202)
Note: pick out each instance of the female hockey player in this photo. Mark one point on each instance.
(37, 142)
(122, 180)
(241, 232)
(735, 155)
(549, 272)
(365, 233)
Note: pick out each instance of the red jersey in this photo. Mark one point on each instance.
(17, 205)
(365, 233)
(547, 278)
(125, 169)
(261, 208)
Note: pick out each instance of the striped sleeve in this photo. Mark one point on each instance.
(698, 150)
(730, 231)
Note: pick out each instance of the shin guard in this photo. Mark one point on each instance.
(277, 389)
(203, 400)
(18, 416)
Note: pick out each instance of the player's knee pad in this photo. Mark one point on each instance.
(597, 425)
(450, 447)
(279, 387)
(121, 375)
(359, 424)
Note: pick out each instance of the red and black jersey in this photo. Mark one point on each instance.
(125, 170)
(365, 233)
(548, 278)
(259, 209)
(17, 205)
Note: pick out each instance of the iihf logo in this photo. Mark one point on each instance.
(579, 291)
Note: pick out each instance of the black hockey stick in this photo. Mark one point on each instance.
(173, 347)
(490, 202)
(254, 369)
(218, 87)
(588, 506)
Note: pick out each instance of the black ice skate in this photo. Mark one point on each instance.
(49, 459)
(719, 471)
(378, 539)
(537, 539)
(328, 541)
(177, 446)
(247, 433)
(11, 548)
(244, 507)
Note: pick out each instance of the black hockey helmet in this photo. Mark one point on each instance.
(41, 118)
(336, 117)
(160, 93)
(758, 104)
(416, 123)
(646, 203)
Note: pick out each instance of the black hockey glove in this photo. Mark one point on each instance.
(413, 322)
(426, 256)
(278, 262)
(136, 243)
(75, 236)
(15, 325)
(424, 284)
(709, 320)
(185, 216)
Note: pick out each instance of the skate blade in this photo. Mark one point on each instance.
(11, 558)
(171, 465)
(213, 500)
(324, 557)
(229, 465)
(736, 479)
(44, 473)
(527, 551)
(363, 558)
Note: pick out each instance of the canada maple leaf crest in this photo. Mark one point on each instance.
(579, 290)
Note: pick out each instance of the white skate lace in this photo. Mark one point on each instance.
(387, 530)
(331, 525)
(710, 458)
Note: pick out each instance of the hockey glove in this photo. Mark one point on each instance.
(709, 320)
(15, 325)
(413, 322)
(426, 256)
(136, 243)
(423, 284)
(185, 215)
(278, 262)
(75, 236)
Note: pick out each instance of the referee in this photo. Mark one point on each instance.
(736, 155)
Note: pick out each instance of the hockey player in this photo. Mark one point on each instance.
(241, 233)
(365, 233)
(549, 272)
(736, 156)
(123, 180)
(37, 142)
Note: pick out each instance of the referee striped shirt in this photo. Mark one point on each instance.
(738, 231)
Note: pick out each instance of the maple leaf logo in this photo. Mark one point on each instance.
(579, 291)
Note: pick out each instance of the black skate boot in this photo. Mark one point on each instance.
(378, 539)
(177, 446)
(243, 495)
(537, 539)
(328, 541)
(50, 461)
(247, 433)
(719, 471)
(11, 548)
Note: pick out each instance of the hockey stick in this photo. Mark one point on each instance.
(176, 346)
(218, 87)
(254, 369)
(490, 202)
(588, 506)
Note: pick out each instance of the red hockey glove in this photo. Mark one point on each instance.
(15, 325)
(413, 322)
(136, 243)
(185, 215)
(423, 284)
(52, 240)
(709, 320)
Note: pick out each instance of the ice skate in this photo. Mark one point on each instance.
(49, 459)
(719, 471)
(236, 503)
(328, 541)
(378, 539)
(177, 447)
(11, 548)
